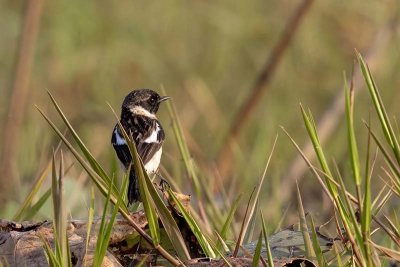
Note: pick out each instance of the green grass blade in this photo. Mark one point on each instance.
(106, 231)
(389, 233)
(143, 261)
(169, 223)
(98, 256)
(351, 137)
(68, 251)
(224, 230)
(312, 132)
(266, 242)
(90, 221)
(310, 254)
(56, 211)
(248, 237)
(313, 169)
(34, 209)
(257, 252)
(221, 244)
(26, 205)
(395, 181)
(351, 225)
(29, 213)
(345, 211)
(99, 181)
(337, 256)
(151, 214)
(242, 230)
(394, 167)
(184, 150)
(53, 261)
(355, 164)
(200, 186)
(201, 238)
(224, 259)
(55, 192)
(63, 227)
(380, 200)
(63, 215)
(333, 194)
(316, 245)
(366, 208)
(59, 223)
(380, 108)
(92, 161)
(392, 254)
(393, 227)
(220, 254)
(258, 190)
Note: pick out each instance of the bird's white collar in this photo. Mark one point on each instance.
(138, 110)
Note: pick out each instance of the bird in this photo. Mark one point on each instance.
(138, 118)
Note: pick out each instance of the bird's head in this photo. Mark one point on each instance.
(145, 99)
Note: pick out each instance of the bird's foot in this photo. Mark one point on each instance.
(164, 185)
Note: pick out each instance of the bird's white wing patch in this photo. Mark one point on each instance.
(153, 138)
(118, 138)
(152, 165)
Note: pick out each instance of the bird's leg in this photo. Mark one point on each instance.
(164, 185)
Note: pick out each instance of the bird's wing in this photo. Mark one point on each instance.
(147, 134)
(120, 147)
(147, 150)
(151, 138)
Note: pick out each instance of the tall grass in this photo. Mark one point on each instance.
(366, 234)
(354, 214)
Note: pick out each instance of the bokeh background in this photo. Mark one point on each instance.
(208, 55)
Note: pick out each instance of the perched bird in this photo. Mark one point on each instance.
(138, 117)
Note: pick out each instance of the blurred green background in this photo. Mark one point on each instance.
(207, 55)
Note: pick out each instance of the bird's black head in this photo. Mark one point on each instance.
(144, 98)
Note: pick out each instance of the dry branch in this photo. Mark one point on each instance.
(19, 97)
(225, 157)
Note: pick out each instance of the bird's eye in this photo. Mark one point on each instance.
(152, 100)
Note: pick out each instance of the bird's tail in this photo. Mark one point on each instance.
(133, 189)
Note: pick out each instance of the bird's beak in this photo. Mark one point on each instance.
(163, 99)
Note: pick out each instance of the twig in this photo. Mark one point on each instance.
(225, 156)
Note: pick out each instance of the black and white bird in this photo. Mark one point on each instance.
(138, 117)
